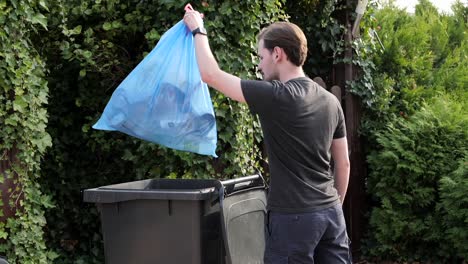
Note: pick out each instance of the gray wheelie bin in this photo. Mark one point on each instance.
(179, 221)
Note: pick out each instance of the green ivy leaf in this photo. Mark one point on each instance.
(43, 4)
(3, 234)
(107, 26)
(76, 30)
(12, 120)
(20, 104)
(87, 54)
(40, 19)
(116, 24)
(85, 128)
(82, 73)
(152, 35)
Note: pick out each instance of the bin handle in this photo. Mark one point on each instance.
(227, 187)
(243, 179)
(253, 182)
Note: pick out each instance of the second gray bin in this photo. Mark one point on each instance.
(176, 221)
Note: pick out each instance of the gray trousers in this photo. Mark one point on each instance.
(307, 238)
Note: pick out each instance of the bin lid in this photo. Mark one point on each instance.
(243, 212)
(243, 226)
(152, 189)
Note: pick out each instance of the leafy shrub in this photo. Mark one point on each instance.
(406, 59)
(451, 76)
(454, 209)
(415, 166)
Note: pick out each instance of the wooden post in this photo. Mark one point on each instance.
(355, 201)
(355, 205)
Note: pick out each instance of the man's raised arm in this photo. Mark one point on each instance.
(211, 74)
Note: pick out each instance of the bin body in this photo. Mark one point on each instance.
(152, 231)
(159, 221)
(174, 221)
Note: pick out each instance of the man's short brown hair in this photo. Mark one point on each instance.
(287, 36)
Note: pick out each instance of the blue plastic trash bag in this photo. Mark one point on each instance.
(164, 100)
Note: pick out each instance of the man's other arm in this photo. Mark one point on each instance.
(339, 151)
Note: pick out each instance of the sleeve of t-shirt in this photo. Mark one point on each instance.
(259, 95)
(340, 131)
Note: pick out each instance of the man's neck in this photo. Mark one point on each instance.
(290, 73)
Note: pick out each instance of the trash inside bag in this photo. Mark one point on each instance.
(163, 100)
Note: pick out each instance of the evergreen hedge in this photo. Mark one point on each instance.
(414, 89)
(420, 181)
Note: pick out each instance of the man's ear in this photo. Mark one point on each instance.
(278, 53)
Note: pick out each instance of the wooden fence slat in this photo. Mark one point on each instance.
(320, 82)
(336, 90)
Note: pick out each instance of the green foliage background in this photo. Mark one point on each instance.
(61, 61)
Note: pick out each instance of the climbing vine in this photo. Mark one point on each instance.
(24, 140)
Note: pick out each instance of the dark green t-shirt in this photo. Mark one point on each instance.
(299, 120)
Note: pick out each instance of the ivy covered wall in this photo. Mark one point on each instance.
(90, 47)
(23, 141)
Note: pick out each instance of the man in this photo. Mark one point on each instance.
(303, 127)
